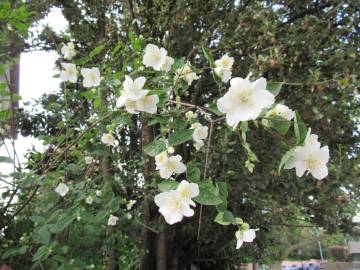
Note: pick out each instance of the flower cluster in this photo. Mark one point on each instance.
(311, 158)
(175, 204)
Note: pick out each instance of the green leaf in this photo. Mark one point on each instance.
(62, 223)
(97, 50)
(209, 194)
(274, 87)
(193, 173)
(299, 129)
(154, 148)
(4, 159)
(223, 188)
(9, 253)
(213, 108)
(225, 218)
(43, 236)
(168, 185)
(285, 158)
(180, 136)
(208, 55)
(41, 254)
(22, 250)
(280, 124)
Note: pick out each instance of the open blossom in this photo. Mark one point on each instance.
(245, 236)
(135, 98)
(223, 67)
(155, 57)
(62, 189)
(68, 50)
(187, 74)
(200, 134)
(245, 100)
(68, 73)
(89, 200)
(108, 139)
(311, 158)
(88, 160)
(112, 220)
(173, 206)
(188, 191)
(130, 204)
(98, 193)
(282, 111)
(168, 62)
(167, 166)
(91, 77)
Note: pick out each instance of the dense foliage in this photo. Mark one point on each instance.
(306, 49)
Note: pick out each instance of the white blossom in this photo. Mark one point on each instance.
(112, 220)
(187, 74)
(130, 204)
(108, 139)
(170, 165)
(147, 104)
(172, 206)
(282, 111)
(68, 73)
(88, 160)
(168, 62)
(89, 200)
(161, 158)
(170, 150)
(91, 77)
(310, 158)
(245, 100)
(200, 133)
(155, 57)
(68, 50)
(189, 115)
(98, 193)
(247, 236)
(62, 189)
(187, 191)
(223, 67)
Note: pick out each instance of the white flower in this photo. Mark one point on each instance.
(168, 62)
(88, 160)
(187, 191)
(128, 216)
(172, 206)
(310, 158)
(68, 73)
(108, 139)
(154, 57)
(62, 189)
(135, 98)
(170, 150)
(112, 220)
(98, 193)
(200, 134)
(282, 111)
(91, 77)
(223, 67)
(186, 73)
(161, 158)
(170, 165)
(130, 204)
(245, 236)
(147, 104)
(68, 51)
(133, 90)
(89, 200)
(244, 100)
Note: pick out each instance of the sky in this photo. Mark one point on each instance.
(36, 78)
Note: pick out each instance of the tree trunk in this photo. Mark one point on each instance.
(161, 247)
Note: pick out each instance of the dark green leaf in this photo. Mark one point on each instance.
(180, 136)
(285, 158)
(96, 51)
(168, 185)
(225, 218)
(274, 87)
(41, 254)
(209, 194)
(208, 55)
(154, 148)
(299, 128)
(193, 173)
(4, 159)
(62, 223)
